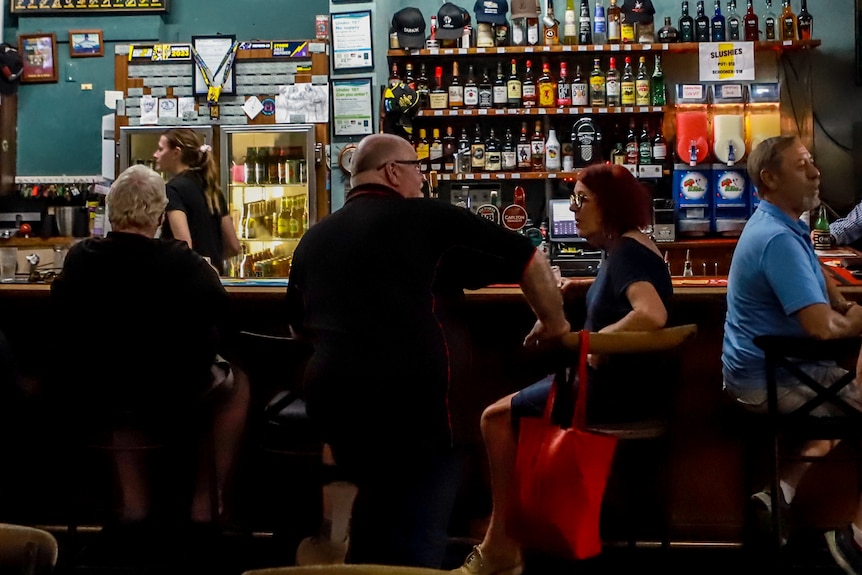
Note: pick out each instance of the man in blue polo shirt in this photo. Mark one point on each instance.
(776, 286)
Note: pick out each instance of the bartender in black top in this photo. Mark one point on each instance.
(372, 287)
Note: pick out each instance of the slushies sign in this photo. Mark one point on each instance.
(722, 61)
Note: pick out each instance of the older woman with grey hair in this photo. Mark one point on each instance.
(156, 343)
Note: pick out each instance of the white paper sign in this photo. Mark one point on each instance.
(351, 40)
(149, 110)
(252, 107)
(722, 61)
(352, 107)
(302, 103)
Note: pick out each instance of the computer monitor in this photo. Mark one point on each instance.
(561, 222)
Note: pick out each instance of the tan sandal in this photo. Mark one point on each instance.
(475, 564)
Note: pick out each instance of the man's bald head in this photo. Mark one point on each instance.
(385, 159)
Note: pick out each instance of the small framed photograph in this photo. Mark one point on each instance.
(85, 43)
(39, 52)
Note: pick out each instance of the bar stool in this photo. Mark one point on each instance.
(25, 549)
(800, 424)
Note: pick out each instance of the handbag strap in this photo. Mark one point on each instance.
(580, 417)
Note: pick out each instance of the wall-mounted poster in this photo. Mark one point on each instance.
(351, 102)
(39, 52)
(81, 7)
(86, 43)
(351, 41)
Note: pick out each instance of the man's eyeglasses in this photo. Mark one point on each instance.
(577, 200)
(415, 163)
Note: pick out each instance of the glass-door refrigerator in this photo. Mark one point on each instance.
(269, 175)
(137, 143)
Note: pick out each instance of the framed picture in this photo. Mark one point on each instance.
(39, 52)
(351, 101)
(85, 43)
(216, 55)
(351, 41)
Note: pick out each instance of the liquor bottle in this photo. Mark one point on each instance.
(433, 28)
(514, 87)
(486, 91)
(553, 162)
(493, 153)
(631, 146)
(477, 151)
(509, 156)
(667, 33)
(537, 149)
(627, 28)
(275, 155)
(249, 166)
(547, 88)
(643, 96)
(789, 22)
(423, 149)
(423, 92)
(701, 24)
(686, 24)
(295, 222)
(821, 235)
(533, 30)
(644, 146)
(734, 22)
(471, 90)
(600, 24)
(750, 24)
(529, 97)
(564, 88)
(627, 84)
(570, 24)
(261, 167)
(456, 89)
(580, 88)
(394, 76)
(523, 150)
(439, 96)
(449, 149)
(659, 93)
(614, 17)
(598, 85)
(498, 90)
(585, 26)
(435, 152)
(719, 30)
(464, 157)
(408, 76)
(659, 146)
(770, 23)
(552, 26)
(805, 22)
(612, 83)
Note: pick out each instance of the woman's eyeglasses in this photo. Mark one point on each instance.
(577, 200)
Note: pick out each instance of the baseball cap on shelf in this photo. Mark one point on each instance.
(409, 24)
(451, 20)
(638, 10)
(11, 67)
(491, 11)
(399, 102)
(525, 8)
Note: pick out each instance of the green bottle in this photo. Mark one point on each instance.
(821, 235)
(659, 94)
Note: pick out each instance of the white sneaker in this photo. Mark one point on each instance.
(316, 551)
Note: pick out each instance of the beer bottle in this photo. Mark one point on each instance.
(294, 223)
(821, 235)
(283, 226)
(250, 166)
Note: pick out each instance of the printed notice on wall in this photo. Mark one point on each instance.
(352, 107)
(351, 40)
(721, 61)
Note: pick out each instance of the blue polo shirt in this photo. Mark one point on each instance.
(774, 274)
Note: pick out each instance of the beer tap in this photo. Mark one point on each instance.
(687, 270)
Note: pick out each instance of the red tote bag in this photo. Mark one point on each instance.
(560, 478)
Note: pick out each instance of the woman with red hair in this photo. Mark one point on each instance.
(632, 292)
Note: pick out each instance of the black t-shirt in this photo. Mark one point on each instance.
(374, 286)
(186, 194)
(139, 321)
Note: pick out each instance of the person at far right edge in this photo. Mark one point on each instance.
(777, 287)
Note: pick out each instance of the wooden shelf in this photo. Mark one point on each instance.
(577, 110)
(37, 242)
(490, 176)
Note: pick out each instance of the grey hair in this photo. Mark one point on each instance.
(137, 199)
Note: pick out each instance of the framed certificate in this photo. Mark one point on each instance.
(351, 103)
(351, 41)
(216, 53)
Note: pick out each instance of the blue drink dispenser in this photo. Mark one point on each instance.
(693, 201)
(731, 200)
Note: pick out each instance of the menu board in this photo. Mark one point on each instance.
(76, 7)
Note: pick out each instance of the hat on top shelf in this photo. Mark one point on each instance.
(451, 20)
(491, 11)
(638, 10)
(11, 66)
(409, 24)
(525, 8)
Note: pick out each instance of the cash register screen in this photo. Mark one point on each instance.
(562, 222)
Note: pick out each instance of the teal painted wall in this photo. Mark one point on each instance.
(59, 125)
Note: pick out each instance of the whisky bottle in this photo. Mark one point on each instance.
(464, 155)
(614, 17)
(564, 88)
(788, 22)
(449, 148)
(719, 31)
(477, 151)
(770, 23)
(701, 24)
(585, 27)
(408, 76)
(667, 33)
(423, 92)
(598, 85)
(499, 94)
(643, 96)
(631, 146)
(580, 88)
(657, 87)
(514, 88)
(627, 84)
(734, 22)
(523, 150)
(805, 22)
(456, 90)
(423, 149)
(509, 153)
(600, 24)
(612, 83)
(659, 146)
(471, 90)
(435, 152)
(537, 149)
(529, 97)
(486, 91)
(552, 26)
(493, 153)
(686, 24)
(439, 96)
(570, 24)
(547, 88)
(750, 24)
